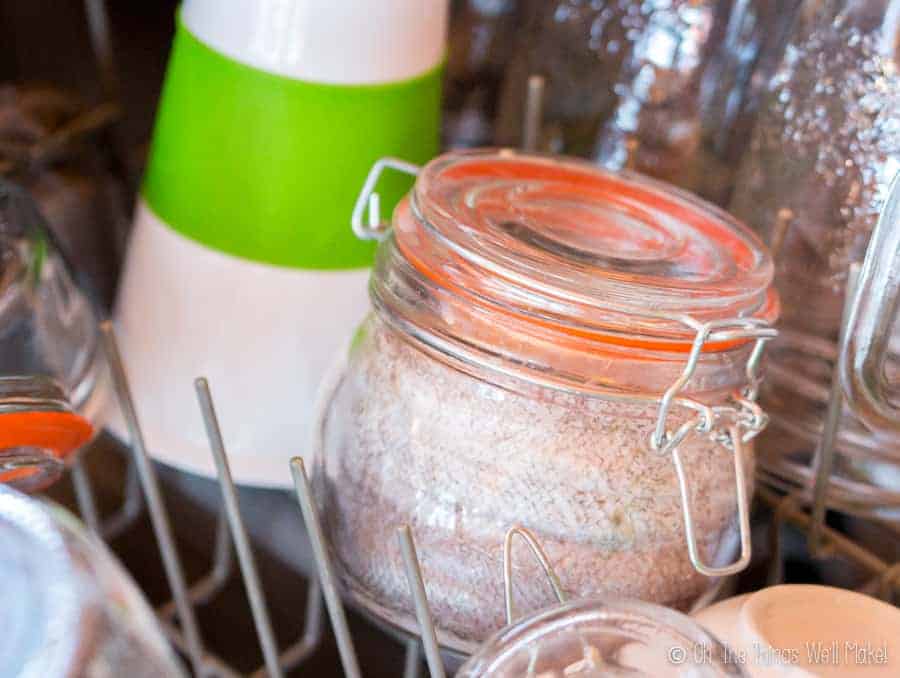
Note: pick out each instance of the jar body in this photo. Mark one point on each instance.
(820, 163)
(408, 437)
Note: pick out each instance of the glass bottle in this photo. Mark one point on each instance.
(815, 179)
(52, 370)
(665, 87)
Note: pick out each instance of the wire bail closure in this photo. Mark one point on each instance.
(376, 229)
(745, 421)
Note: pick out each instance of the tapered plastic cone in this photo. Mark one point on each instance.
(242, 266)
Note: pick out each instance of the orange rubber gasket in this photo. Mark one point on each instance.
(60, 433)
(768, 311)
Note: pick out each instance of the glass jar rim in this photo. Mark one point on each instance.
(621, 616)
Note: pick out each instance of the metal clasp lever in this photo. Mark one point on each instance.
(743, 501)
(376, 229)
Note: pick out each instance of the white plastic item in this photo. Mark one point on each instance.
(378, 42)
(795, 631)
(262, 333)
(254, 344)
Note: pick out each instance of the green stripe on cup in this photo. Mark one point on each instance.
(267, 167)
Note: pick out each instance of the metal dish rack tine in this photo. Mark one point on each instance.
(539, 554)
(533, 113)
(101, 44)
(325, 569)
(825, 451)
(412, 661)
(123, 518)
(423, 613)
(205, 588)
(193, 643)
(889, 583)
(131, 508)
(776, 565)
(258, 607)
(312, 632)
(213, 665)
(84, 496)
(832, 540)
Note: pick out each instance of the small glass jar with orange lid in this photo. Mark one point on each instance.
(52, 370)
(554, 346)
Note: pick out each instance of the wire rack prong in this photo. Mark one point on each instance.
(204, 589)
(84, 496)
(101, 44)
(131, 508)
(889, 583)
(158, 515)
(539, 554)
(533, 113)
(412, 661)
(420, 598)
(325, 569)
(123, 517)
(825, 450)
(213, 665)
(258, 606)
(832, 540)
(776, 569)
(312, 632)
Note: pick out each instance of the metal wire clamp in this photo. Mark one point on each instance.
(376, 229)
(744, 420)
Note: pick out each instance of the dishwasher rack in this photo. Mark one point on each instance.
(803, 507)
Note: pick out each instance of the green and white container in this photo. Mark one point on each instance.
(242, 266)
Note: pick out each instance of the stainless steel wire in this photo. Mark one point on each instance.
(238, 531)
(158, 515)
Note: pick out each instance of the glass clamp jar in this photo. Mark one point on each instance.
(545, 335)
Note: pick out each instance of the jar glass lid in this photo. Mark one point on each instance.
(602, 637)
(614, 255)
